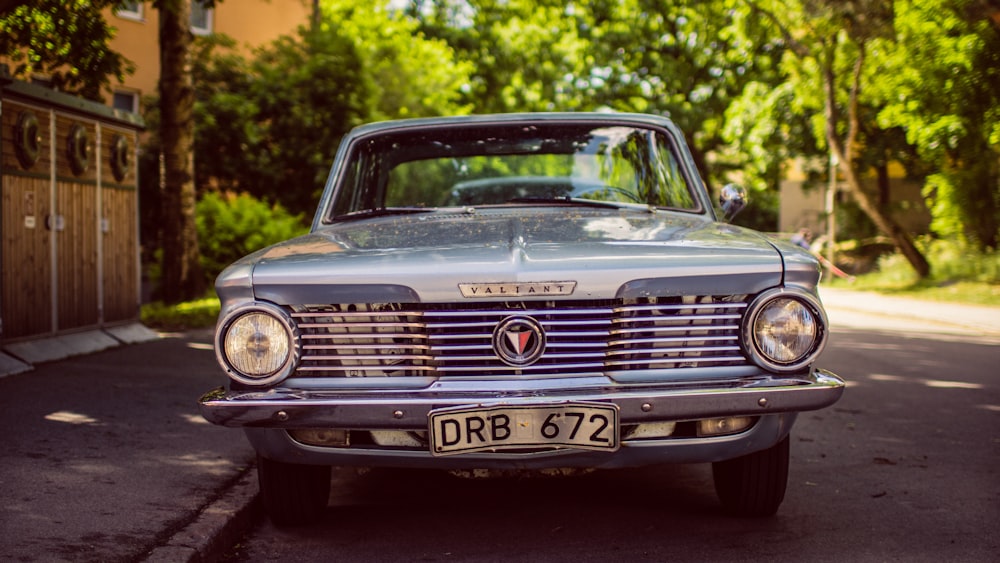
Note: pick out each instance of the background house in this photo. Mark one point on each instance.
(70, 279)
(250, 22)
(804, 204)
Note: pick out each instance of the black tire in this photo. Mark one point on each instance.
(754, 484)
(293, 494)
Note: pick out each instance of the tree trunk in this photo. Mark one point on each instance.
(182, 276)
(844, 151)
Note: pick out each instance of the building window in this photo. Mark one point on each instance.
(201, 18)
(130, 10)
(127, 101)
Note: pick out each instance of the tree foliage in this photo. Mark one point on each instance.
(524, 54)
(231, 226)
(826, 61)
(65, 40)
(271, 125)
(939, 80)
(751, 83)
(686, 59)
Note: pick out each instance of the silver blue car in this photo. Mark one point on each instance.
(521, 291)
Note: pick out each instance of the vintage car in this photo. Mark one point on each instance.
(520, 292)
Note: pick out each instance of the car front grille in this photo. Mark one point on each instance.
(582, 337)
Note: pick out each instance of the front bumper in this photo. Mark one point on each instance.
(266, 415)
(409, 409)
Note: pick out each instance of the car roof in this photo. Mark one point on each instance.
(596, 117)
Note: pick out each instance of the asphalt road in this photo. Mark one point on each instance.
(105, 457)
(906, 467)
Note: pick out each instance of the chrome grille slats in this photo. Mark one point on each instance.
(698, 331)
(582, 337)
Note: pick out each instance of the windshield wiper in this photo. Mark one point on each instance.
(381, 212)
(574, 201)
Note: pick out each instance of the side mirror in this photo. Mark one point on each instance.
(732, 199)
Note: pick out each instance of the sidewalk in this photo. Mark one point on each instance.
(106, 458)
(860, 309)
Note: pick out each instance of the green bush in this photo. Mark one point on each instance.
(959, 261)
(183, 316)
(959, 272)
(951, 262)
(231, 226)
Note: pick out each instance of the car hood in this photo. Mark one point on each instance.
(424, 257)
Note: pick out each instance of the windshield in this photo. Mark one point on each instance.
(483, 165)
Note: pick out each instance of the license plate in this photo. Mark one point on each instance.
(587, 426)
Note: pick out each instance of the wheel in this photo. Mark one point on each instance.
(292, 494)
(754, 484)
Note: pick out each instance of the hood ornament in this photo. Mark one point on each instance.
(519, 341)
(517, 289)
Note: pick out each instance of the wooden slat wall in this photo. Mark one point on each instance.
(25, 249)
(119, 227)
(26, 280)
(76, 233)
(94, 222)
(76, 255)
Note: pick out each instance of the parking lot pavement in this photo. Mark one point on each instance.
(106, 458)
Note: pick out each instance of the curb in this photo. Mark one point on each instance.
(22, 356)
(218, 526)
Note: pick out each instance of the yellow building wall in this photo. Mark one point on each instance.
(801, 207)
(251, 23)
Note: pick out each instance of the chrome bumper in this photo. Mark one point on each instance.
(408, 410)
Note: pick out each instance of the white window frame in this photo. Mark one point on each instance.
(138, 14)
(134, 95)
(209, 17)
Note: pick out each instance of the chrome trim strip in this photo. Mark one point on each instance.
(408, 409)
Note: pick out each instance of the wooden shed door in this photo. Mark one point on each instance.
(26, 245)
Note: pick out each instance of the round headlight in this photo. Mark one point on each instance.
(257, 346)
(785, 332)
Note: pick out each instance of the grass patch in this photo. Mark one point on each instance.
(958, 274)
(201, 313)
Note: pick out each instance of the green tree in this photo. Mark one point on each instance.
(231, 226)
(689, 60)
(939, 79)
(270, 126)
(826, 60)
(285, 110)
(409, 73)
(524, 54)
(686, 59)
(764, 131)
(66, 40)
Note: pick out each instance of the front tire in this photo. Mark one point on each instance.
(292, 494)
(754, 484)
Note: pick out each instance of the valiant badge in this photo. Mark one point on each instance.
(517, 289)
(519, 341)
